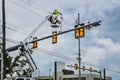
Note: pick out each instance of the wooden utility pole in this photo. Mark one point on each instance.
(3, 42)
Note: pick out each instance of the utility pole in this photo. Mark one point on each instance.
(79, 54)
(100, 75)
(104, 74)
(55, 68)
(50, 74)
(3, 42)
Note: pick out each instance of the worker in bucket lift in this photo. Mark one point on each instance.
(56, 17)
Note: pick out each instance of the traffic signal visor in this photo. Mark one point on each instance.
(79, 26)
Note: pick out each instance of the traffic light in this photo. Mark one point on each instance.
(54, 38)
(90, 69)
(83, 68)
(79, 32)
(35, 43)
(76, 66)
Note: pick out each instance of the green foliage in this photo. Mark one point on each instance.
(8, 63)
(17, 64)
(21, 62)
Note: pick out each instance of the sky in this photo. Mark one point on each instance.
(99, 47)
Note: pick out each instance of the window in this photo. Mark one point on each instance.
(20, 79)
(83, 78)
(97, 79)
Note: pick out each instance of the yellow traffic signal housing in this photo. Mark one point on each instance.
(79, 32)
(54, 38)
(76, 66)
(35, 43)
(90, 69)
(83, 68)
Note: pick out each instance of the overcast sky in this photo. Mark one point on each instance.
(99, 47)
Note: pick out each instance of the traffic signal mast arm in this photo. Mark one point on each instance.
(60, 33)
(83, 68)
(16, 47)
(90, 69)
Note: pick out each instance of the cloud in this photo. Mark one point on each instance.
(109, 45)
(100, 45)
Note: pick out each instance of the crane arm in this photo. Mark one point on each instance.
(32, 33)
(29, 36)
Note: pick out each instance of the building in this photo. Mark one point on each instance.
(61, 76)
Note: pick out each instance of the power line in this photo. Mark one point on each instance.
(34, 6)
(64, 57)
(112, 70)
(33, 11)
(23, 29)
(11, 40)
(25, 8)
(15, 30)
(56, 55)
(71, 59)
(66, 21)
(51, 53)
(39, 7)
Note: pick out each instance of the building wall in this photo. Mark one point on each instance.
(60, 76)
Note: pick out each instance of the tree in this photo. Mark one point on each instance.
(18, 64)
(8, 60)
